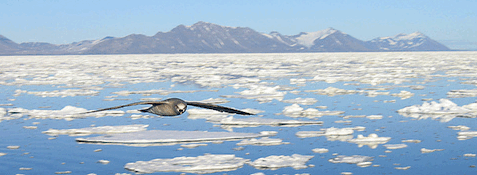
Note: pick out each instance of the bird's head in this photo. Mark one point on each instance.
(181, 108)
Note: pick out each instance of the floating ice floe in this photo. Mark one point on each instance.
(328, 132)
(67, 113)
(462, 93)
(157, 91)
(411, 141)
(373, 140)
(332, 91)
(464, 135)
(296, 111)
(331, 134)
(470, 155)
(97, 130)
(59, 93)
(212, 115)
(374, 117)
(403, 95)
(262, 94)
(402, 168)
(320, 150)
(301, 101)
(459, 127)
(230, 122)
(359, 160)
(424, 150)
(5, 114)
(208, 163)
(193, 145)
(264, 141)
(168, 137)
(395, 146)
(444, 110)
(295, 161)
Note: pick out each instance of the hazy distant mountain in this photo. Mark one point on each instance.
(203, 37)
(413, 42)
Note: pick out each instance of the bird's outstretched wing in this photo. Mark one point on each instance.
(218, 108)
(131, 104)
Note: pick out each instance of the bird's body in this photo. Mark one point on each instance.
(175, 106)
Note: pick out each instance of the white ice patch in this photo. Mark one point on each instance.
(295, 161)
(424, 150)
(97, 130)
(331, 134)
(444, 110)
(67, 113)
(332, 91)
(262, 94)
(373, 140)
(301, 101)
(296, 111)
(208, 163)
(264, 141)
(464, 135)
(167, 137)
(403, 95)
(157, 91)
(231, 122)
(320, 150)
(395, 146)
(354, 159)
(459, 127)
(59, 93)
(462, 93)
(326, 132)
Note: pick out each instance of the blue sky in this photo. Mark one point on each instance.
(452, 22)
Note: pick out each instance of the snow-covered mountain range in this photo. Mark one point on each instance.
(204, 37)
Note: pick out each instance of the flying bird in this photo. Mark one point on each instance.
(174, 106)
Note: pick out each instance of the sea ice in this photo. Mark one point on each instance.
(320, 150)
(156, 91)
(374, 117)
(296, 111)
(462, 93)
(193, 145)
(332, 91)
(231, 122)
(424, 150)
(59, 93)
(167, 137)
(354, 159)
(97, 130)
(411, 141)
(325, 132)
(262, 94)
(295, 161)
(403, 95)
(459, 127)
(208, 163)
(264, 141)
(67, 113)
(301, 101)
(373, 140)
(395, 146)
(444, 110)
(464, 135)
(402, 168)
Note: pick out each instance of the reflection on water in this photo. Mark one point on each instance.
(415, 112)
